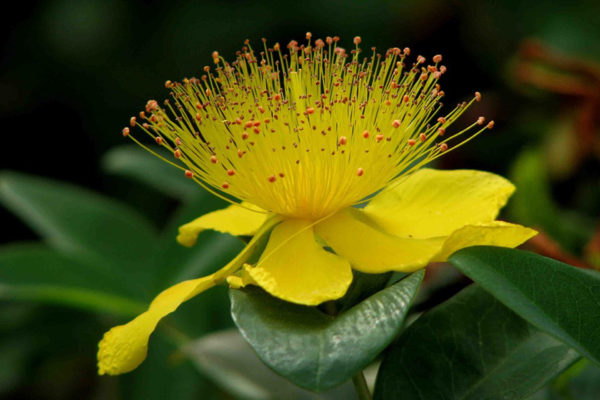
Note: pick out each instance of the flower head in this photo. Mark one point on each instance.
(294, 141)
(307, 133)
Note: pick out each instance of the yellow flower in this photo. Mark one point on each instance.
(296, 142)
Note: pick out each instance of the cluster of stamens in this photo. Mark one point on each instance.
(305, 133)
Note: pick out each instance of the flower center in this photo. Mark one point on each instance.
(307, 133)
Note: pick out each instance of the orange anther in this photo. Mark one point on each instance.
(406, 98)
(189, 174)
(343, 140)
(213, 159)
(244, 135)
(225, 185)
(437, 58)
(443, 147)
(441, 131)
(477, 96)
(379, 138)
(230, 172)
(490, 125)
(310, 110)
(396, 123)
(272, 178)
(480, 120)
(158, 140)
(198, 117)
(125, 132)
(423, 137)
(441, 120)
(357, 40)
(360, 172)
(365, 134)
(411, 142)
(132, 121)
(177, 153)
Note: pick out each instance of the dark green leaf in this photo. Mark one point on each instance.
(555, 297)
(35, 272)
(470, 347)
(312, 349)
(82, 223)
(229, 361)
(134, 162)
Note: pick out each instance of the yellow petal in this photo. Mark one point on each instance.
(235, 220)
(372, 251)
(497, 233)
(295, 268)
(124, 347)
(432, 203)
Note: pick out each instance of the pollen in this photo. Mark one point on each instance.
(319, 115)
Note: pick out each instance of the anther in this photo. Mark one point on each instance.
(441, 131)
(189, 174)
(168, 84)
(406, 98)
(178, 141)
(477, 96)
(480, 120)
(125, 132)
(441, 120)
(437, 58)
(272, 178)
(225, 185)
(213, 159)
(281, 175)
(177, 153)
(357, 40)
(411, 142)
(396, 123)
(310, 110)
(360, 172)
(230, 172)
(244, 135)
(423, 137)
(365, 134)
(490, 125)
(443, 147)
(158, 140)
(379, 138)
(343, 140)
(132, 121)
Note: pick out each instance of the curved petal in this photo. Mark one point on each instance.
(371, 250)
(497, 233)
(295, 268)
(432, 203)
(124, 347)
(235, 220)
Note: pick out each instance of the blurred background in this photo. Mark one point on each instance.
(72, 72)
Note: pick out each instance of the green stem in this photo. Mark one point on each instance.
(360, 385)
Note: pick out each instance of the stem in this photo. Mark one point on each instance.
(360, 385)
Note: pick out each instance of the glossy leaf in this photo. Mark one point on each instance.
(471, 348)
(134, 162)
(559, 299)
(82, 223)
(232, 364)
(36, 272)
(314, 350)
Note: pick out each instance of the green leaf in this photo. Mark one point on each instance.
(36, 272)
(231, 363)
(471, 348)
(83, 223)
(559, 299)
(134, 162)
(314, 350)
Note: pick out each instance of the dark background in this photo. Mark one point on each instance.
(72, 72)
